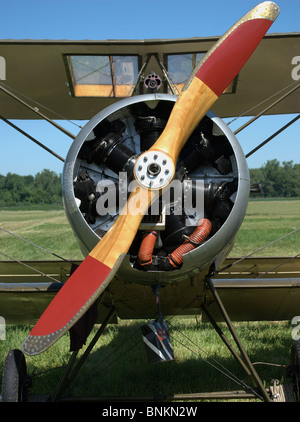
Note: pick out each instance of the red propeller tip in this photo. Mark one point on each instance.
(71, 302)
(224, 61)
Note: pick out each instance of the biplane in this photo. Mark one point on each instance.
(155, 186)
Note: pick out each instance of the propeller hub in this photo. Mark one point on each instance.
(154, 169)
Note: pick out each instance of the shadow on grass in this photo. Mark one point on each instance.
(118, 365)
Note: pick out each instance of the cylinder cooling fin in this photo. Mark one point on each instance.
(206, 199)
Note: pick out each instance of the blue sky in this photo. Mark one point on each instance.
(131, 19)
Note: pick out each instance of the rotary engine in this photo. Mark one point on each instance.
(192, 225)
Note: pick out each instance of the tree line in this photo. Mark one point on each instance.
(43, 188)
(276, 180)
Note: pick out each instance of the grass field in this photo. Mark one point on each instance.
(48, 229)
(265, 222)
(118, 364)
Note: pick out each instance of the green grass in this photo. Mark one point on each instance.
(48, 229)
(265, 222)
(118, 364)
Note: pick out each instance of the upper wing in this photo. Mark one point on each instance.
(49, 77)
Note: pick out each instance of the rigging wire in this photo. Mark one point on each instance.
(95, 70)
(262, 102)
(122, 351)
(37, 246)
(36, 110)
(258, 250)
(32, 138)
(272, 136)
(223, 370)
(40, 105)
(278, 266)
(28, 266)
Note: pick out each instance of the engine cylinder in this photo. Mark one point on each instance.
(211, 163)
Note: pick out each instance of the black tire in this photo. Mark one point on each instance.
(14, 382)
(295, 361)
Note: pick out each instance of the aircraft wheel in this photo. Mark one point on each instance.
(15, 379)
(295, 361)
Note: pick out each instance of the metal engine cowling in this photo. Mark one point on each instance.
(211, 161)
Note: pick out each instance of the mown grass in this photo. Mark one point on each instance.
(265, 222)
(118, 364)
(48, 229)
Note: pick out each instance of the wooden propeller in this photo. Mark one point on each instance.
(211, 77)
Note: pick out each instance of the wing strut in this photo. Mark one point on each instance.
(266, 109)
(32, 139)
(272, 136)
(36, 110)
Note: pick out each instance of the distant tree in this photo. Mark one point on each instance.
(44, 188)
(278, 180)
(48, 187)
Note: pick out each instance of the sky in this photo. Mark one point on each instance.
(132, 19)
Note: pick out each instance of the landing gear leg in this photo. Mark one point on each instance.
(245, 361)
(295, 365)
